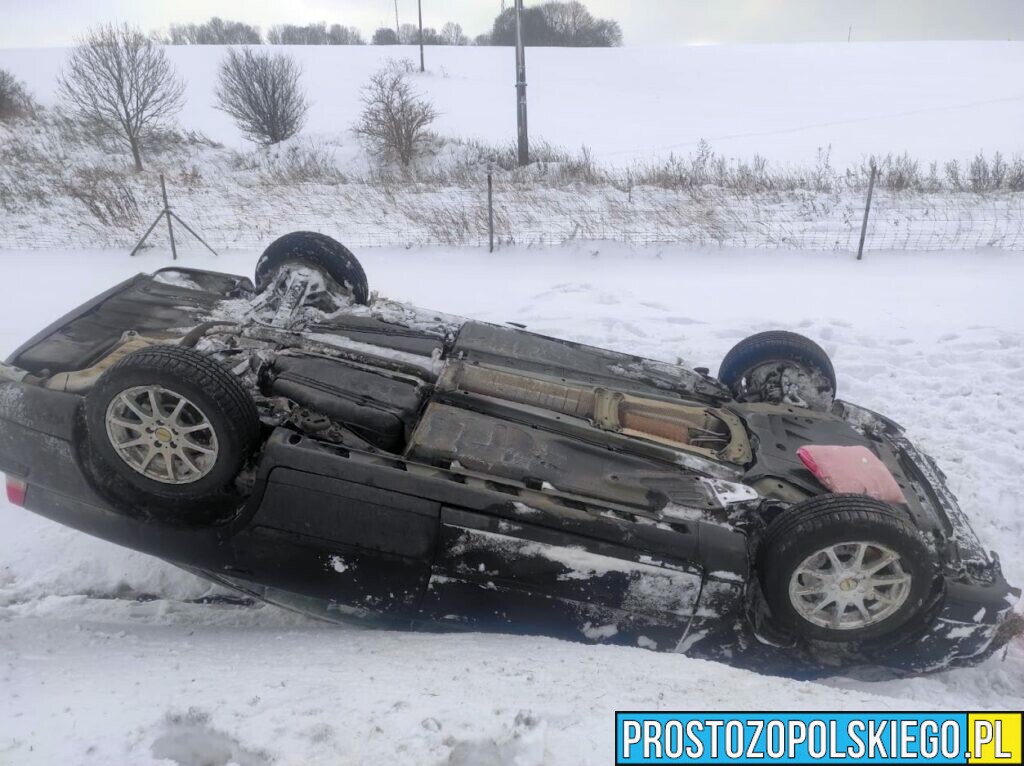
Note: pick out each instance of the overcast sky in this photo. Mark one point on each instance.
(29, 23)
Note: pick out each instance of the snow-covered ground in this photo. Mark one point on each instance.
(91, 674)
(813, 113)
(938, 100)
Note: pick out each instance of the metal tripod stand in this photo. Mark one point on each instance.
(169, 214)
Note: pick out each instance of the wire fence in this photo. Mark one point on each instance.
(369, 215)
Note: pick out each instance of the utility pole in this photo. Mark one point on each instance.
(419, 4)
(398, 31)
(524, 140)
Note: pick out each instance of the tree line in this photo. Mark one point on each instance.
(558, 23)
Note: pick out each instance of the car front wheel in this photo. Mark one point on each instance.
(846, 569)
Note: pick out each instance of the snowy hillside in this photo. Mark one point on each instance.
(780, 101)
(618, 133)
(93, 675)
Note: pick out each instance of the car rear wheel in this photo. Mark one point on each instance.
(845, 569)
(316, 250)
(781, 368)
(172, 429)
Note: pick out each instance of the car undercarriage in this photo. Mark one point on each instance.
(304, 441)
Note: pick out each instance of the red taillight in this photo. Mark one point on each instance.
(16, 489)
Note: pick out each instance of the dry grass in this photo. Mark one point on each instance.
(54, 170)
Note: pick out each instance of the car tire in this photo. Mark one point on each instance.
(795, 544)
(320, 251)
(177, 460)
(816, 389)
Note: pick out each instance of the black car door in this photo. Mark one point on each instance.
(532, 572)
(362, 550)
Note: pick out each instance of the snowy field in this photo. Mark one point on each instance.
(780, 101)
(90, 673)
(813, 113)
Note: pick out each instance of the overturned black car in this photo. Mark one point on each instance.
(302, 441)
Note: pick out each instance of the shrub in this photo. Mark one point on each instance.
(299, 164)
(395, 118)
(15, 100)
(954, 176)
(980, 173)
(106, 195)
(1015, 175)
(262, 92)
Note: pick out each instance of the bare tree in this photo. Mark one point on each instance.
(395, 118)
(263, 93)
(15, 100)
(409, 34)
(317, 33)
(216, 31)
(452, 34)
(123, 82)
(339, 34)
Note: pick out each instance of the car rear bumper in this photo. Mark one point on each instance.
(977, 600)
(968, 626)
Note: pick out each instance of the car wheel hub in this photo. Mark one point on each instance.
(161, 434)
(787, 383)
(848, 586)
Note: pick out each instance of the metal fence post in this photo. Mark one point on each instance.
(490, 210)
(867, 212)
(167, 212)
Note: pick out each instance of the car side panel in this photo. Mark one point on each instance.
(360, 547)
(496, 574)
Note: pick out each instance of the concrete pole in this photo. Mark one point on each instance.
(419, 4)
(524, 140)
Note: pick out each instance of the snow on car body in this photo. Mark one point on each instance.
(362, 459)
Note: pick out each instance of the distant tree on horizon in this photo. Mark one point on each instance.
(314, 34)
(385, 36)
(216, 31)
(342, 35)
(559, 24)
(452, 34)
